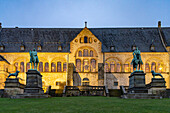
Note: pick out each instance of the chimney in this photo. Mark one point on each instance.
(85, 24)
(159, 24)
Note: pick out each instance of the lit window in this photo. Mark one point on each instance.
(112, 48)
(93, 65)
(106, 67)
(53, 67)
(86, 65)
(59, 48)
(126, 67)
(28, 66)
(22, 66)
(118, 67)
(91, 53)
(16, 65)
(112, 67)
(131, 68)
(78, 65)
(85, 53)
(46, 67)
(80, 54)
(160, 68)
(153, 66)
(147, 67)
(58, 66)
(90, 40)
(64, 67)
(41, 66)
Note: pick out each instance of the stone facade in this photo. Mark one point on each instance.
(98, 75)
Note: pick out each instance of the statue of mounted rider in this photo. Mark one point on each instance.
(34, 59)
(137, 61)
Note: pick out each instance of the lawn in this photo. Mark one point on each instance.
(84, 105)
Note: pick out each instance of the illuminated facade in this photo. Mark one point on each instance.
(88, 56)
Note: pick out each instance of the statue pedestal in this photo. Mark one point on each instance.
(137, 82)
(33, 87)
(157, 86)
(12, 87)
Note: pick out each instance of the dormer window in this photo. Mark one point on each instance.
(112, 48)
(133, 47)
(59, 48)
(152, 48)
(39, 48)
(22, 48)
(2, 48)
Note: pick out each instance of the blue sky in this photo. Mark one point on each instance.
(73, 13)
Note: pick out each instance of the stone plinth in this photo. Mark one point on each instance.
(33, 87)
(137, 82)
(157, 86)
(13, 87)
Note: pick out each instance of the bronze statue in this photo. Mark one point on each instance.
(14, 74)
(136, 59)
(156, 74)
(34, 58)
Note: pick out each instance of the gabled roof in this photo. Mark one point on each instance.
(50, 38)
(3, 59)
(166, 35)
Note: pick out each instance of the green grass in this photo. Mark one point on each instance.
(84, 105)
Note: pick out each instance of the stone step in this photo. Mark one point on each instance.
(30, 96)
(141, 96)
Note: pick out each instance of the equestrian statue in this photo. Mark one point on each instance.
(34, 59)
(137, 61)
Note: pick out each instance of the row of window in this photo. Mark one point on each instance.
(55, 67)
(129, 68)
(85, 66)
(85, 53)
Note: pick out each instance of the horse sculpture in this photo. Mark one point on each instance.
(14, 74)
(156, 74)
(34, 58)
(136, 59)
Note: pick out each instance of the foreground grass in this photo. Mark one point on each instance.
(84, 105)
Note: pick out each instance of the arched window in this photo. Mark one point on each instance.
(86, 65)
(85, 39)
(93, 65)
(53, 67)
(118, 68)
(28, 66)
(80, 54)
(91, 53)
(112, 67)
(16, 65)
(65, 67)
(85, 53)
(22, 66)
(46, 67)
(160, 68)
(147, 67)
(81, 40)
(85, 82)
(106, 67)
(41, 66)
(131, 68)
(78, 65)
(126, 67)
(58, 66)
(153, 66)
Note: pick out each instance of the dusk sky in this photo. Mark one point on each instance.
(73, 13)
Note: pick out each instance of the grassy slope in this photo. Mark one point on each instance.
(84, 105)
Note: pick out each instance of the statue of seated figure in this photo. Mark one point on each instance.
(156, 74)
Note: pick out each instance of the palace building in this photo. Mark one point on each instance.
(85, 56)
